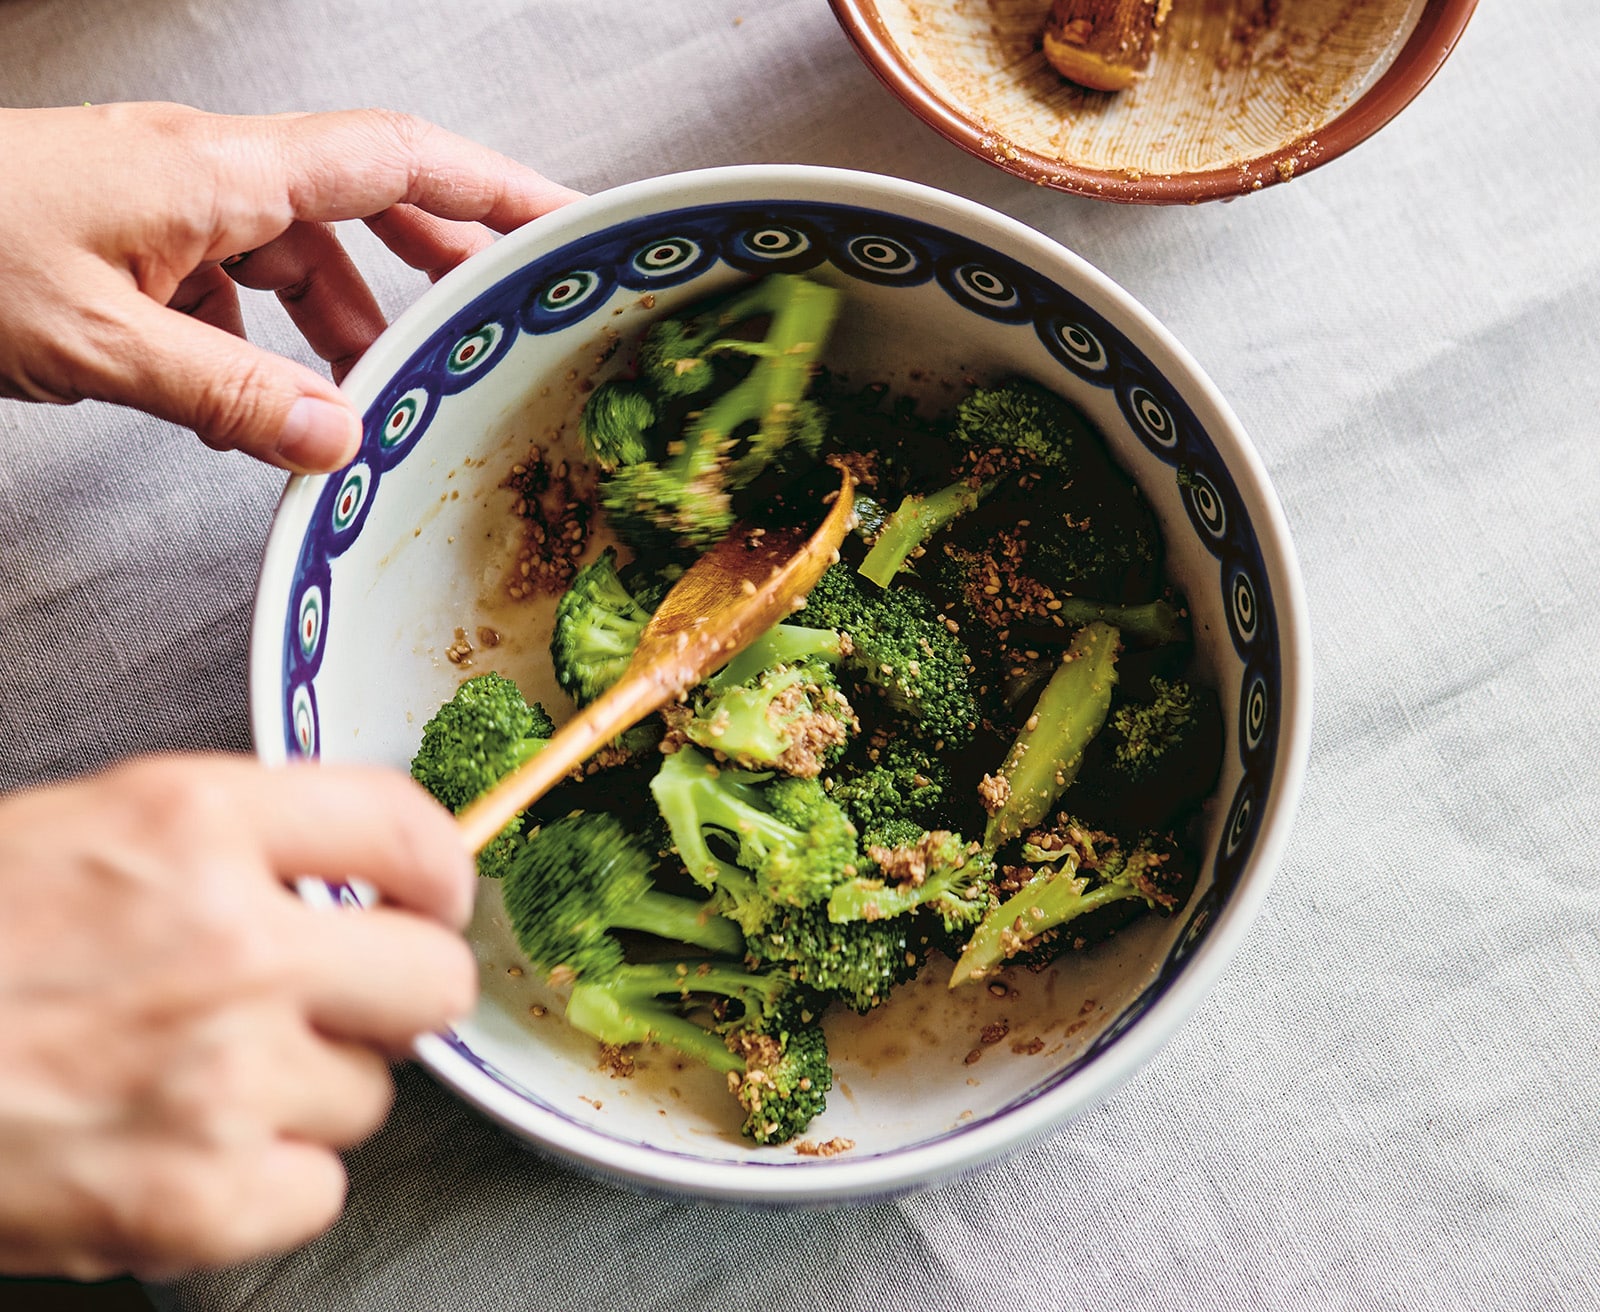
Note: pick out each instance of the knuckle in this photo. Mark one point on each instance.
(218, 1099)
(405, 130)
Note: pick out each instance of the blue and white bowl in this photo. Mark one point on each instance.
(373, 574)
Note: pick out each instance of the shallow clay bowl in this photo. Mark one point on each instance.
(1240, 94)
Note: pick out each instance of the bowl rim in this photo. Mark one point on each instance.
(839, 1179)
(1438, 29)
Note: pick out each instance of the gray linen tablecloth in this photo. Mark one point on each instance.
(1393, 1097)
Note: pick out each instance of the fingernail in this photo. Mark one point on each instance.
(317, 435)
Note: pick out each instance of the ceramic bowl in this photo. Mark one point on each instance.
(1240, 94)
(374, 574)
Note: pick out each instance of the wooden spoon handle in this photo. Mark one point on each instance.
(714, 611)
(618, 709)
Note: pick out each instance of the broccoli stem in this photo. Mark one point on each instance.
(873, 899)
(1045, 758)
(626, 1006)
(684, 919)
(615, 1013)
(913, 522)
(1047, 903)
(1153, 622)
(802, 315)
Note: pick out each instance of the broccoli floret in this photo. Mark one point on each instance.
(791, 718)
(783, 841)
(678, 354)
(1156, 756)
(686, 497)
(905, 783)
(1097, 541)
(1017, 423)
(939, 870)
(785, 1081)
(772, 1049)
(857, 962)
(484, 732)
(581, 877)
(1064, 538)
(782, 644)
(597, 626)
(1048, 753)
(616, 423)
(836, 601)
(901, 649)
(1073, 870)
(684, 502)
(775, 705)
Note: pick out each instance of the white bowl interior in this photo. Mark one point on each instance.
(935, 1081)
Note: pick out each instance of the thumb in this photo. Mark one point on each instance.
(235, 396)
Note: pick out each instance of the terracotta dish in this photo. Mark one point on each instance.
(1239, 95)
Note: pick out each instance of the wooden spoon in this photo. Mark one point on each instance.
(727, 599)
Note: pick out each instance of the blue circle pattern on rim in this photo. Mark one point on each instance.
(577, 281)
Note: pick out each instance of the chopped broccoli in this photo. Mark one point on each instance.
(577, 879)
(1047, 754)
(598, 624)
(1017, 423)
(582, 877)
(687, 501)
(940, 870)
(791, 718)
(904, 783)
(836, 601)
(484, 732)
(881, 437)
(858, 962)
(784, 842)
(1013, 426)
(678, 354)
(1156, 757)
(1097, 540)
(1080, 871)
(782, 644)
(686, 496)
(900, 648)
(785, 1081)
(616, 422)
(913, 522)
(773, 1051)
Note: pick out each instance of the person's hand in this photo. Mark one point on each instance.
(122, 229)
(184, 1043)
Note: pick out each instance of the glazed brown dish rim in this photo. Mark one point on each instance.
(1424, 53)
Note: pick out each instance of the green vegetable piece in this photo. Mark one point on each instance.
(485, 731)
(597, 627)
(1047, 754)
(939, 870)
(773, 1050)
(1091, 870)
(615, 424)
(916, 519)
(579, 878)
